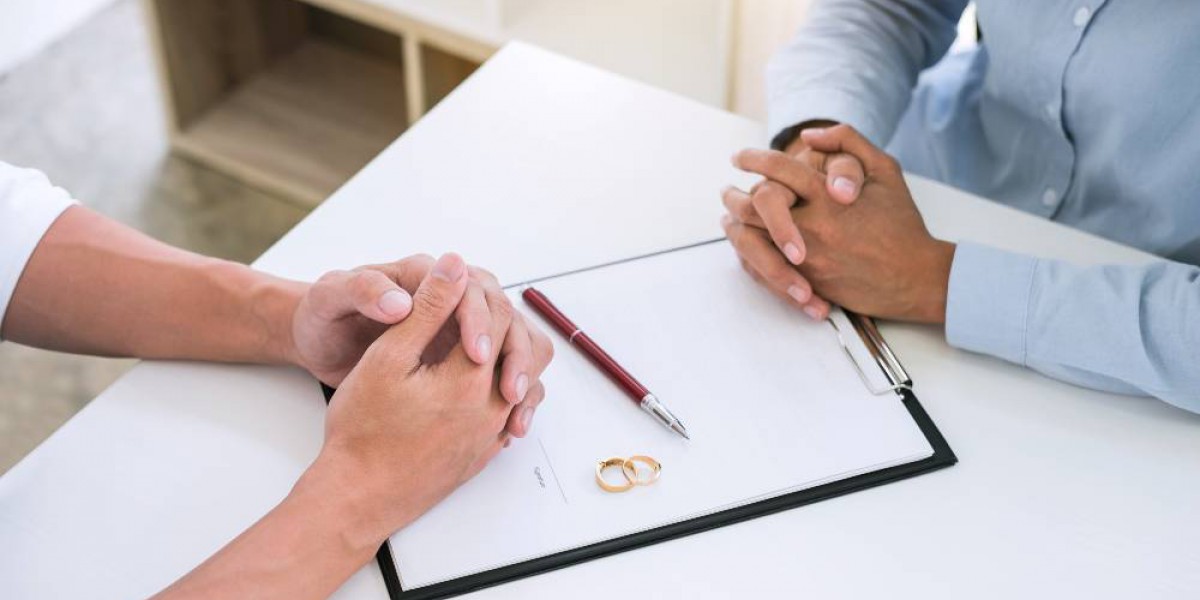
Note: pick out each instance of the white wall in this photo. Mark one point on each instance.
(762, 27)
(28, 26)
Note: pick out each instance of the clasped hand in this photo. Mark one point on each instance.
(344, 312)
(834, 221)
(428, 404)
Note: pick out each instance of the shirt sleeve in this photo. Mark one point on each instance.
(29, 205)
(1124, 329)
(857, 61)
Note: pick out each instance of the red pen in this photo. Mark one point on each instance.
(600, 358)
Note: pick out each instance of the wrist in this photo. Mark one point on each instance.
(342, 492)
(932, 282)
(274, 302)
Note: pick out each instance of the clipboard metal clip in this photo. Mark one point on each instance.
(879, 350)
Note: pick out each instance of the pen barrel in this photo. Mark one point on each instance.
(548, 311)
(544, 307)
(618, 375)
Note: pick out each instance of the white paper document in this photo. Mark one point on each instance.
(771, 401)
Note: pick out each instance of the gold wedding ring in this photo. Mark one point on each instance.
(630, 470)
(607, 463)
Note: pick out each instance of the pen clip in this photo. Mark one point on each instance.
(879, 350)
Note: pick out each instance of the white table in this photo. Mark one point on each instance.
(540, 164)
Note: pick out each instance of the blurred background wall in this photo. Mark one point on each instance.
(762, 27)
(27, 26)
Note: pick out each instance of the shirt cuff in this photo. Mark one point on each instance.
(795, 107)
(987, 303)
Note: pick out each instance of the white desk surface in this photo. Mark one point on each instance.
(539, 164)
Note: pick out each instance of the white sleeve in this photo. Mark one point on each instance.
(29, 205)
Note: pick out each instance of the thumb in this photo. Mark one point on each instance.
(844, 177)
(434, 304)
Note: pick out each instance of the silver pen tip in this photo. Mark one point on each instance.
(681, 430)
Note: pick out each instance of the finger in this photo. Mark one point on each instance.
(516, 359)
(408, 272)
(339, 294)
(845, 176)
(813, 158)
(755, 248)
(501, 315)
(844, 138)
(375, 296)
(474, 322)
(806, 182)
(543, 350)
(521, 418)
(433, 304)
(774, 202)
(817, 308)
(381, 293)
(740, 207)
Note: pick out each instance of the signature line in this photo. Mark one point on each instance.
(552, 472)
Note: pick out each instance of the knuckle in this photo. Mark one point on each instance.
(778, 271)
(776, 162)
(487, 275)
(745, 212)
(892, 165)
(817, 266)
(427, 300)
(502, 308)
(844, 130)
(823, 231)
(362, 283)
(332, 277)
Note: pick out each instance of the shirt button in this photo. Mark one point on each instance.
(1082, 15)
(1049, 197)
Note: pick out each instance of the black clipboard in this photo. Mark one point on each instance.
(942, 457)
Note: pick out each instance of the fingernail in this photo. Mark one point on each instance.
(812, 312)
(507, 442)
(395, 302)
(799, 294)
(726, 221)
(527, 418)
(450, 267)
(813, 132)
(522, 386)
(484, 345)
(792, 251)
(845, 186)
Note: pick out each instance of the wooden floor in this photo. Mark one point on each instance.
(87, 111)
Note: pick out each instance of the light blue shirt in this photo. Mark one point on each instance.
(1084, 112)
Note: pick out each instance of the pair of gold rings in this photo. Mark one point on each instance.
(629, 470)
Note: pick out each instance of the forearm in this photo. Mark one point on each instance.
(1120, 328)
(95, 286)
(856, 62)
(306, 547)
